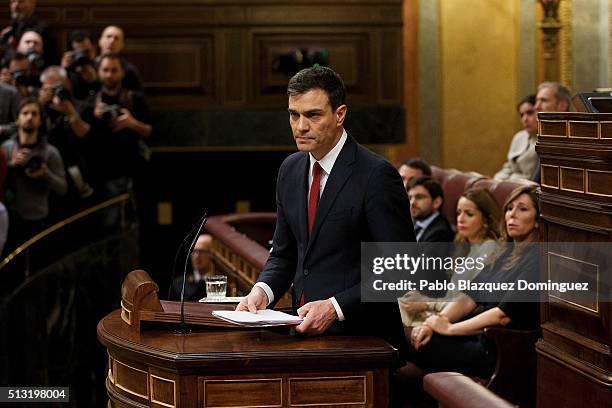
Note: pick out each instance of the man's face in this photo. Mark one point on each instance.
(111, 40)
(529, 117)
(85, 46)
(421, 203)
(408, 173)
(316, 128)
(200, 257)
(22, 9)
(110, 73)
(46, 88)
(30, 41)
(546, 101)
(29, 119)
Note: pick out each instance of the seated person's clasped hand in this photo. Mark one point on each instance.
(439, 324)
(318, 316)
(254, 301)
(420, 336)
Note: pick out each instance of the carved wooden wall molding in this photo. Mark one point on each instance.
(218, 53)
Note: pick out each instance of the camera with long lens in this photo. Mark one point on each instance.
(111, 112)
(61, 92)
(20, 77)
(36, 60)
(79, 58)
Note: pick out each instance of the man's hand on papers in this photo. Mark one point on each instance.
(255, 300)
(318, 317)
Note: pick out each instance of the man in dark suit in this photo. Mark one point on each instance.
(331, 196)
(426, 198)
(430, 227)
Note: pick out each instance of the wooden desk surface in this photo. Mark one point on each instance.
(200, 367)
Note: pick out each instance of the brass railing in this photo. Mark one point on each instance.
(23, 248)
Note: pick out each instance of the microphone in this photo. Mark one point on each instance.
(183, 327)
(178, 251)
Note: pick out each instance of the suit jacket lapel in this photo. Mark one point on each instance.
(302, 180)
(343, 167)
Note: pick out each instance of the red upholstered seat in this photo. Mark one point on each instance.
(454, 183)
(454, 390)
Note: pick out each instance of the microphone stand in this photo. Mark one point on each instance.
(183, 329)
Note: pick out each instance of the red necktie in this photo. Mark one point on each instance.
(313, 199)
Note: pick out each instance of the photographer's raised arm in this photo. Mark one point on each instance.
(78, 125)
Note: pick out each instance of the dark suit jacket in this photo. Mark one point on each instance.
(438, 231)
(363, 201)
(441, 235)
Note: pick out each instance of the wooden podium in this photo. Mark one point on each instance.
(574, 355)
(224, 367)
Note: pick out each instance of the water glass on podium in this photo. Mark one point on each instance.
(216, 286)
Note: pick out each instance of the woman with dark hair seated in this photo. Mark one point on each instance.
(452, 340)
(478, 217)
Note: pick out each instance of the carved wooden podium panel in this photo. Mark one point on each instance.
(155, 366)
(574, 359)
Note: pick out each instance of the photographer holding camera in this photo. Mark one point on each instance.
(18, 74)
(119, 120)
(35, 169)
(64, 124)
(24, 19)
(32, 46)
(112, 41)
(79, 62)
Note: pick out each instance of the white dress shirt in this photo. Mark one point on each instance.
(327, 164)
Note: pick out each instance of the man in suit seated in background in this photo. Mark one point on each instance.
(412, 168)
(551, 97)
(201, 265)
(430, 227)
(426, 198)
(331, 196)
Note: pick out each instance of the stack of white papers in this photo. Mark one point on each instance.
(265, 317)
(227, 299)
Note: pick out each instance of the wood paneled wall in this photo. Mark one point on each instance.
(202, 54)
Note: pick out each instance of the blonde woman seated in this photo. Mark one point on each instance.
(452, 340)
(478, 218)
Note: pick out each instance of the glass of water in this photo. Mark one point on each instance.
(216, 286)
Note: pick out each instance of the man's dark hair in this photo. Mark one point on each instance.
(80, 36)
(112, 56)
(319, 78)
(531, 99)
(29, 100)
(418, 163)
(432, 186)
